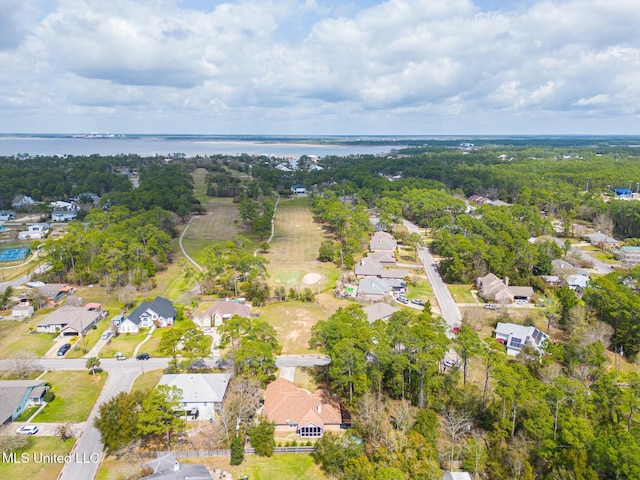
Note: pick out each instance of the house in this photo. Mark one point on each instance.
(456, 476)
(629, 256)
(494, 289)
(299, 189)
(379, 311)
(294, 409)
(602, 241)
(577, 282)
(22, 201)
(54, 291)
(6, 215)
(160, 312)
(220, 311)
(69, 320)
(36, 231)
(385, 258)
(382, 241)
(17, 395)
(63, 215)
(168, 468)
(63, 206)
(22, 310)
(368, 267)
(373, 289)
(202, 393)
(514, 337)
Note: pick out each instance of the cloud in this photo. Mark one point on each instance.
(383, 65)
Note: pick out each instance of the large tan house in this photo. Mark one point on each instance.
(295, 409)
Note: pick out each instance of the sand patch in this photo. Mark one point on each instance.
(312, 279)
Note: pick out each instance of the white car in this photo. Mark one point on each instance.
(521, 302)
(27, 430)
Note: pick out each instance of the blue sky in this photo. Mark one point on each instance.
(320, 66)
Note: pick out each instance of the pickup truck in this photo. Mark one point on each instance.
(120, 357)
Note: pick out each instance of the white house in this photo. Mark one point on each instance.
(456, 476)
(35, 231)
(299, 189)
(60, 205)
(202, 393)
(22, 310)
(69, 320)
(22, 201)
(6, 215)
(514, 337)
(160, 312)
(63, 215)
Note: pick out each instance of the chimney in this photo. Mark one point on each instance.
(506, 281)
(319, 407)
(176, 466)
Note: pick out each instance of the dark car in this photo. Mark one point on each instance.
(143, 356)
(64, 349)
(198, 365)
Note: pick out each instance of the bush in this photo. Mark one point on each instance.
(261, 437)
(49, 396)
(237, 450)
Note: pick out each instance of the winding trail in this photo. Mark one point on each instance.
(184, 252)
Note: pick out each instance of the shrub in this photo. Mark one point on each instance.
(49, 396)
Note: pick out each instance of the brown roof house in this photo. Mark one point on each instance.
(220, 311)
(495, 289)
(294, 409)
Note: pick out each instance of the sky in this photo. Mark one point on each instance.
(320, 67)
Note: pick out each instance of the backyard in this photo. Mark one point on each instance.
(32, 468)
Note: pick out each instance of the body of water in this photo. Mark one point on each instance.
(62, 145)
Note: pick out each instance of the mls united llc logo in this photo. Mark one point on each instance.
(50, 458)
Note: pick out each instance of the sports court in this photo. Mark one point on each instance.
(14, 254)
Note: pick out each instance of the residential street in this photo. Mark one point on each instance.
(597, 264)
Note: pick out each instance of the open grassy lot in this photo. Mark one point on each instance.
(76, 392)
(281, 467)
(16, 338)
(293, 322)
(295, 246)
(598, 254)
(461, 293)
(147, 381)
(422, 290)
(34, 469)
(125, 343)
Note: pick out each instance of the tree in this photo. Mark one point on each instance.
(23, 364)
(117, 419)
(261, 438)
(158, 415)
(326, 253)
(237, 449)
(455, 424)
(64, 431)
(468, 344)
(92, 363)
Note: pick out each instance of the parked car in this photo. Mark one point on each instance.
(417, 301)
(522, 301)
(64, 349)
(106, 335)
(143, 356)
(492, 306)
(403, 300)
(198, 365)
(120, 357)
(27, 430)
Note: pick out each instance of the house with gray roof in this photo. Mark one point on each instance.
(514, 337)
(17, 395)
(382, 241)
(202, 393)
(69, 320)
(168, 468)
(159, 312)
(495, 289)
(220, 311)
(368, 267)
(601, 240)
(456, 476)
(6, 215)
(379, 311)
(373, 289)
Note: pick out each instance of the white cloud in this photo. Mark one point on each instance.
(320, 66)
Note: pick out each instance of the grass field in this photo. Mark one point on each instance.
(595, 252)
(147, 381)
(34, 469)
(461, 293)
(76, 392)
(125, 343)
(280, 467)
(15, 338)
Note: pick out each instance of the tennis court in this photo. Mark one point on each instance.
(14, 254)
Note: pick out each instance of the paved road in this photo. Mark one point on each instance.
(87, 452)
(448, 308)
(597, 264)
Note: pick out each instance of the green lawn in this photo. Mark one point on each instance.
(422, 290)
(281, 467)
(598, 254)
(24, 416)
(16, 338)
(147, 381)
(125, 343)
(76, 392)
(461, 293)
(33, 469)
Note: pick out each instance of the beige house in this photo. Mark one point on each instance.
(294, 409)
(494, 289)
(222, 310)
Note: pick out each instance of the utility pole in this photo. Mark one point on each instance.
(588, 178)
